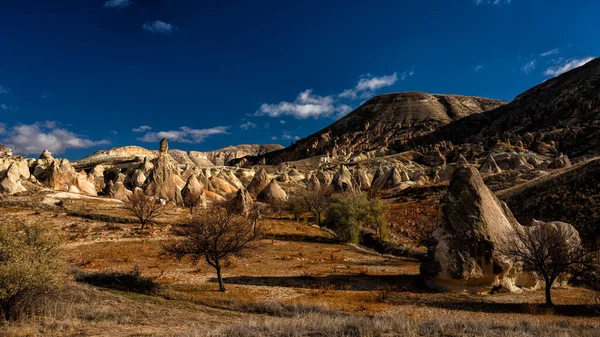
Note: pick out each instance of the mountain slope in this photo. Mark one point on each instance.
(564, 110)
(386, 121)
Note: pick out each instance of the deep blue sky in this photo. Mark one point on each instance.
(96, 71)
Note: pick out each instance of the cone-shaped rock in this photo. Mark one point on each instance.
(259, 182)
(242, 202)
(192, 192)
(461, 254)
(313, 183)
(489, 166)
(272, 192)
(343, 181)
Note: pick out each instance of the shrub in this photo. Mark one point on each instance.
(30, 269)
(348, 213)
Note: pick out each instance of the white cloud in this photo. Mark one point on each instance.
(529, 66)
(374, 83)
(117, 3)
(35, 138)
(4, 90)
(492, 2)
(273, 138)
(114, 132)
(348, 93)
(282, 122)
(184, 134)
(2, 129)
(567, 65)
(248, 125)
(550, 52)
(142, 128)
(159, 27)
(478, 68)
(306, 105)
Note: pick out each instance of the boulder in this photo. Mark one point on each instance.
(10, 183)
(118, 191)
(272, 192)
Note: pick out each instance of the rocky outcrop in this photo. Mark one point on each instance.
(463, 252)
(489, 166)
(193, 193)
(242, 202)
(393, 178)
(10, 183)
(259, 182)
(561, 161)
(343, 181)
(163, 181)
(272, 193)
(434, 158)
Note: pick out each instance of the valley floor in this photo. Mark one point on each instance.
(299, 282)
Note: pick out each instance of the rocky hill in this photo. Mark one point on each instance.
(386, 122)
(128, 154)
(561, 113)
(571, 195)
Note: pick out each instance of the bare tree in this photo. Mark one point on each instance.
(215, 235)
(296, 206)
(255, 214)
(192, 201)
(317, 202)
(144, 207)
(278, 206)
(547, 250)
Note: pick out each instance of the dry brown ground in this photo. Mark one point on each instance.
(296, 263)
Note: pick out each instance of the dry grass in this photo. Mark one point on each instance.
(299, 283)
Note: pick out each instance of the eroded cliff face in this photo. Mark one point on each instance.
(385, 123)
(220, 157)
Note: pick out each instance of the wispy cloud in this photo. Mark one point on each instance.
(184, 134)
(142, 128)
(159, 27)
(4, 90)
(2, 129)
(529, 66)
(288, 136)
(566, 65)
(550, 52)
(478, 68)
(248, 125)
(117, 4)
(8, 107)
(349, 94)
(492, 2)
(37, 137)
(374, 83)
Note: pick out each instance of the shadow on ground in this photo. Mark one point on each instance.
(523, 308)
(413, 283)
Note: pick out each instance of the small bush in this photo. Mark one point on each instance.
(30, 270)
